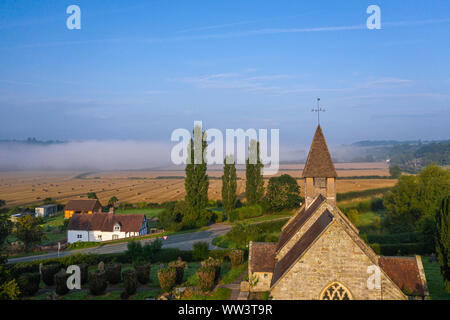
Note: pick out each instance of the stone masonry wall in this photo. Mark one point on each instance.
(333, 257)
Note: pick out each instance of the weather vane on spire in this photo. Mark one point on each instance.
(318, 110)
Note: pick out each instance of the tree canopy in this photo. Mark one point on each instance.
(283, 192)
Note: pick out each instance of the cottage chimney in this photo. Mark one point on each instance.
(112, 210)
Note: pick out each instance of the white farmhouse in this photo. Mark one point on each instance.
(105, 226)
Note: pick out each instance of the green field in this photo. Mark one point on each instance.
(149, 212)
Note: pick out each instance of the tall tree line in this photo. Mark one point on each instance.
(196, 183)
(229, 185)
(254, 185)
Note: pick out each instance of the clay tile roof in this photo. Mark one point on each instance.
(404, 272)
(82, 204)
(302, 245)
(106, 222)
(319, 163)
(290, 230)
(262, 256)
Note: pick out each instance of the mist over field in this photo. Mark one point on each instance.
(120, 155)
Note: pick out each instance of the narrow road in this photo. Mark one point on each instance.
(183, 241)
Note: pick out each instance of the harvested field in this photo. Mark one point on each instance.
(28, 188)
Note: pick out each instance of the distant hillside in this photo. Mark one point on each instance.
(411, 156)
(33, 141)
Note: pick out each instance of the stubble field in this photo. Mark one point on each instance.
(30, 187)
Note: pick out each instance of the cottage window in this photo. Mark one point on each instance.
(116, 227)
(115, 237)
(335, 291)
(99, 237)
(79, 236)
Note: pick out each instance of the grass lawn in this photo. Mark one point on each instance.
(434, 280)
(219, 294)
(149, 212)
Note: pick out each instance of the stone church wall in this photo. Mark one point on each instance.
(333, 257)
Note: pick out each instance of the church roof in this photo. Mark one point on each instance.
(291, 229)
(282, 266)
(405, 273)
(319, 163)
(262, 256)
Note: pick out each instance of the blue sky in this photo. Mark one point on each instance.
(138, 70)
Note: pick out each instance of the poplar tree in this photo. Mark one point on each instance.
(254, 185)
(196, 182)
(229, 185)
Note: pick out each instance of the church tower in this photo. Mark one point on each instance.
(319, 172)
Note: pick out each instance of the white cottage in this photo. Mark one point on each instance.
(105, 226)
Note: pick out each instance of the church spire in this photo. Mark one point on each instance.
(319, 172)
(319, 163)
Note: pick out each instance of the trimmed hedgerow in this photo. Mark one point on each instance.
(29, 283)
(179, 266)
(48, 273)
(60, 279)
(143, 273)
(97, 282)
(167, 278)
(129, 281)
(206, 278)
(84, 270)
(113, 271)
(236, 257)
(213, 263)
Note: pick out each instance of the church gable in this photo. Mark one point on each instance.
(333, 257)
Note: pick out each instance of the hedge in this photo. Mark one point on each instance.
(247, 212)
(363, 193)
(406, 237)
(389, 249)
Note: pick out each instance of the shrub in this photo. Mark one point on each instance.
(213, 263)
(29, 283)
(353, 216)
(143, 273)
(206, 277)
(247, 212)
(167, 278)
(61, 282)
(48, 273)
(179, 266)
(201, 250)
(84, 270)
(129, 281)
(236, 257)
(376, 247)
(97, 282)
(113, 271)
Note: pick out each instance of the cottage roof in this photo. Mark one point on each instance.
(319, 163)
(82, 204)
(106, 221)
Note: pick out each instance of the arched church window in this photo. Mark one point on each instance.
(335, 291)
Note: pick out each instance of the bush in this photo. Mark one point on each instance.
(113, 271)
(403, 249)
(61, 282)
(247, 212)
(206, 277)
(48, 273)
(376, 247)
(84, 270)
(201, 250)
(236, 257)
(213, 263)
(97, 282)
(353, 216)
(143, 273)
(129, 281)
(179, 267)
(29, 283)
(167, 278)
